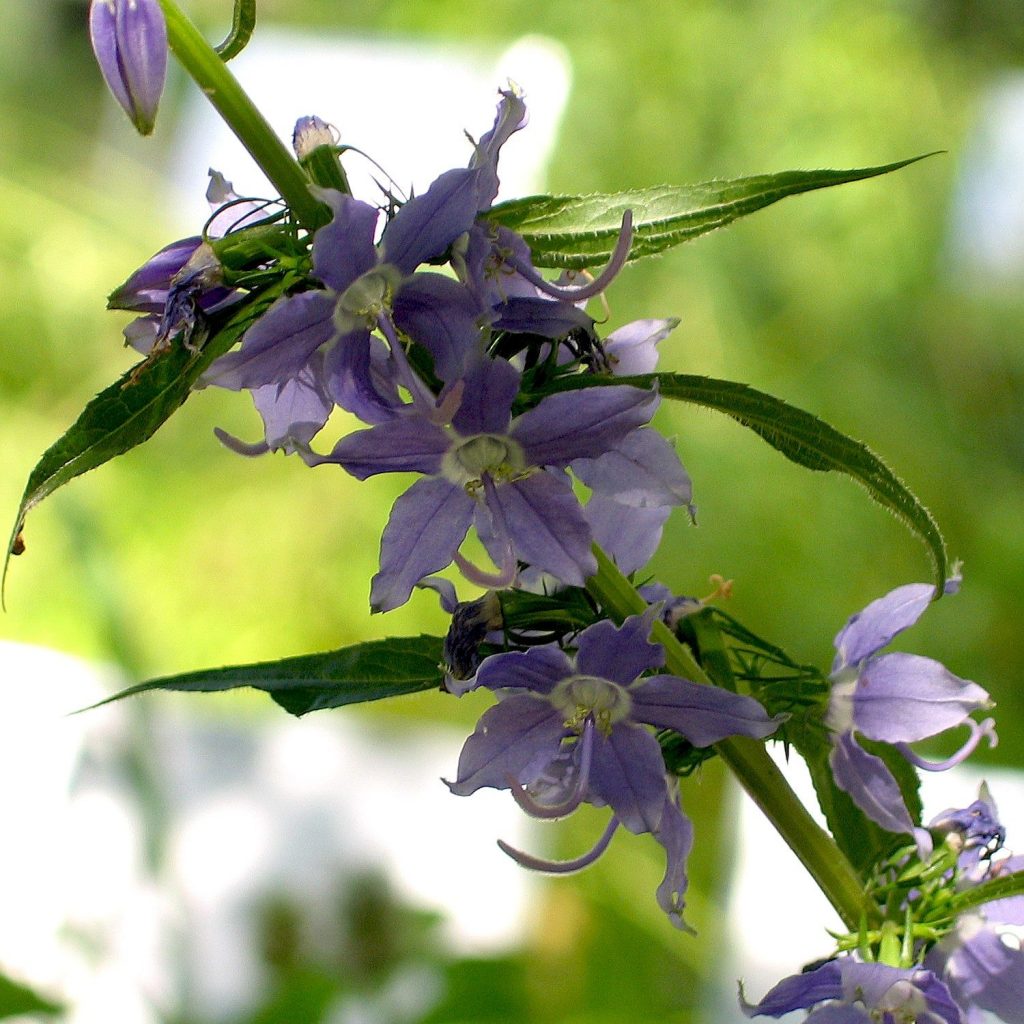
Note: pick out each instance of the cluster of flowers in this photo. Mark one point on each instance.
(439, 366)
(974, 967)
(438, 333)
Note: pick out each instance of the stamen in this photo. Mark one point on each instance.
(986, 729)
(550, 811)
(578, 293)
(562, 867)
(723, 589)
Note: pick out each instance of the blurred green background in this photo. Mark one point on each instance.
(847, 303)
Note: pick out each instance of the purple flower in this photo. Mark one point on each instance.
(632, 349)
(894, 698)
(983, 969)
(978, 830)
(371, 287)
(506, 476)
(569, 730)
(367, 287)
(846, 991)
(129, 38)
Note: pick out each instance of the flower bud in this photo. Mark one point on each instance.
(129, 38)
(310, 133)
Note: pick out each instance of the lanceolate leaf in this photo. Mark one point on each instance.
(801, 437)
(130, 410)
(312, 682)
(580, 231)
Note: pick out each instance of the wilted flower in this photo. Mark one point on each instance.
(129, 38)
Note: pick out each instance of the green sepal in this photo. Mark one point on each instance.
(574, 232)
(803, 438)
(132, 409)
(312, 682)
(243, 22)
(324, 168)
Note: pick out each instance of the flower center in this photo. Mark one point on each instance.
(471, 458)
(362, 302)
(583, 697)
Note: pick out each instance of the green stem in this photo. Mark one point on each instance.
(221, 88)
(749, 761)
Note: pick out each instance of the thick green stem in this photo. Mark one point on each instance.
(221, 88)
(749, 761)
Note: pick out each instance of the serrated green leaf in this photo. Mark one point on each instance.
(131, 410)
(312, 682)
(574, 232)
(801, 437)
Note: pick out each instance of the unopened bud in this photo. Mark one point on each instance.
(129, 38)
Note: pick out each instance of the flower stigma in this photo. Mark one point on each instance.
(471, 459)
(583, 697)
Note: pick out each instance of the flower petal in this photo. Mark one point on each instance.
(146, 290)
(428, 224)
(703, 714)
(581, 424)
(130, 43)
(675, 833)
(510, 117)
(905, 697)
(537, 669)
(872, 628)
(985, 972)
(406, 444)
(629, 536)
(491, 386)
(619, 653)
(343, 249)
(531, 314)
(871, 786)
(360, 377)
(632, 349)
(516, 738)
(642, 470)
(427, 525)
(542, 518)
(293, 412)
(278, 345)
(441, 315)
(628, 773)
(798, 992)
